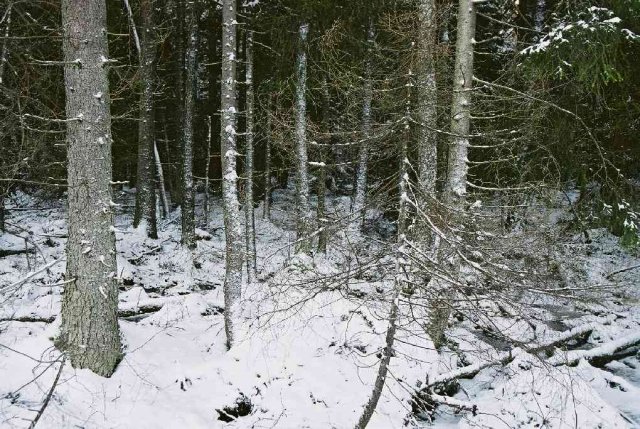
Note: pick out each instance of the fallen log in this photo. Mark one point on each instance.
(13, 252)
(597, 353)
(131, 314)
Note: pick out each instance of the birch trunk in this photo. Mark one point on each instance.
(145, 211)
(250, 233)
(359, 201)
(161, 184)
(89, 330)
(188, 191)
(232, 216)
(304, 221)
(426, 108)
(456, 184)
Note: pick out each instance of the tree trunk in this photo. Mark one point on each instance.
(5, 42)
(161, 183)
(232, 216)
(89, 331)
(188, 191)
(541, 7)
(266, 214)
(145, 211)
(250, 232)
(303, 218)
(359, 201)
(3, 59)
(399, 282)
(456, 184)
(206, 173)
(322, 169)
(427, 97)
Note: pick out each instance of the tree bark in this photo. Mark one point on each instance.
(359, 201)
(250, 232)
(304, 220)
(89, 331)
(188, 191)
(232, 215)
(145, 210)
(427, 98)
(456, 184)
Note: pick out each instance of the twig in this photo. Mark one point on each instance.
(49, 395)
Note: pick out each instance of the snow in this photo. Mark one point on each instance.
(306, 355)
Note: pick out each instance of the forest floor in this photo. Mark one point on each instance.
(307, 358)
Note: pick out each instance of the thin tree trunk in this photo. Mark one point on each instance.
(541, 6)
(180, 99)
(427, 98)
(232, 216)
(161, 184)
(322, 169)
(250, 231)
(4, 54)
(145, 210)
(359, 201)
(206, 173)
(266, 214)
(304, 221)
(89, 331)
(188, 191)
(399, 281)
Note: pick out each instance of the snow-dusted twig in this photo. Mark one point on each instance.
(33, 274)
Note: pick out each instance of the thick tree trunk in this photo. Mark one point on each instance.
(89, 331)
(145, 211)
(232, 215)
(427, 98)
(250, 232)
(456, 184)
(188, 191)
(304, 220)
(5, 42)
(359, 200)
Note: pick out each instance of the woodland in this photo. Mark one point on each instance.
(319, 214)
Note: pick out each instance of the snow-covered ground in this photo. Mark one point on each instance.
(311, 335)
